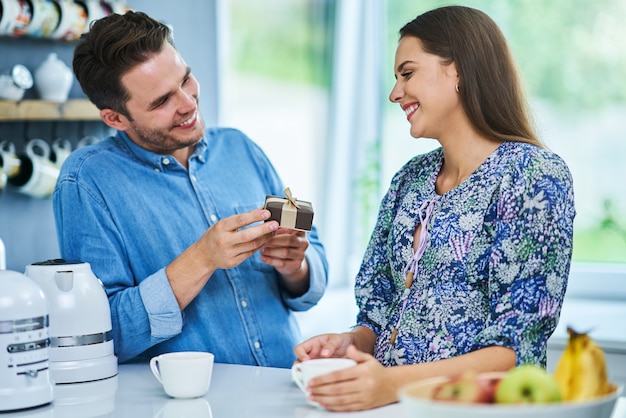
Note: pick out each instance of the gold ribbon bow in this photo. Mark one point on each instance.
(290, 198)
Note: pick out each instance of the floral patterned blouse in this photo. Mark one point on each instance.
(496, 261)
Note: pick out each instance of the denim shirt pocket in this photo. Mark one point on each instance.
(257, 264)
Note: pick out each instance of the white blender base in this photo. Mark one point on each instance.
(12, 399)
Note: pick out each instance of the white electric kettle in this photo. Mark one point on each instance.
(81, 342)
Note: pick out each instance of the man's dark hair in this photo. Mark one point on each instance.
(113, 46)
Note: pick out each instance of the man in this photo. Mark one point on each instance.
(169, 215)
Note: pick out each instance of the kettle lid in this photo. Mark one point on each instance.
(57, 262)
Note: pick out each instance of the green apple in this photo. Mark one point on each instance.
(527, 384)
(465, 387)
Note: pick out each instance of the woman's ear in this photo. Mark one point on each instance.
(114, 119)
(452, 71)
(453, 75)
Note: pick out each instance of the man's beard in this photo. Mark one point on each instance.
(162, 141)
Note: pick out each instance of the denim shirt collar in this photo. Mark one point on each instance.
(153, 159)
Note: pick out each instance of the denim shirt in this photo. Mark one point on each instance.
(130, 212)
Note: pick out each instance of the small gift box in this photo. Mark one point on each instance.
(289, 212)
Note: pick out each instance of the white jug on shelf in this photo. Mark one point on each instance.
(53, 79)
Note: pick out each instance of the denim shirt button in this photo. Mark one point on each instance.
(157, 169)
(213, 217)
(193, 178)
(257, 344)
(166, 161)
(244, 303)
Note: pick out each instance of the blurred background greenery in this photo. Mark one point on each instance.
(571, 58)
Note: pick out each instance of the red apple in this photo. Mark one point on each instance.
(527, 384)
(466, 387)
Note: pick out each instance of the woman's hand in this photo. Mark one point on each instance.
(367, 385)
(323, 346)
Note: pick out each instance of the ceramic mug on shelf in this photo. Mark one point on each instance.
(37, 175)
(14, 82)
(45, 18)
(96, 9)
(15, 17)
(3, 177)
(10, 163)
(87, 140)
(73, 21)
(117, 6)
(185, 374)
(61, 149)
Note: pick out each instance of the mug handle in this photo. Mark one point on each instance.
(7, 146)
(296, 375)
(61, 144)
(155, 369)
(43, 146)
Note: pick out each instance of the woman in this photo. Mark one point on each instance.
(468, 262)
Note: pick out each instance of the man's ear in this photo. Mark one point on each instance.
(114, 119)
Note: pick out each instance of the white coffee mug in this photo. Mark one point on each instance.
(87, 140)
(45, 18)
(10, 164)
(61, 149)
(38, 175)
(307, 370)
(73, 21)
(3, 178)
(15, 17)
(185, 374)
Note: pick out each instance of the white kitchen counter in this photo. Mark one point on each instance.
(235, 392)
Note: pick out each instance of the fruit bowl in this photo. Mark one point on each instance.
(416, 400)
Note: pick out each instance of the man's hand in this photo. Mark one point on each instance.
(285, 251)
(227, 243)
(224, 245)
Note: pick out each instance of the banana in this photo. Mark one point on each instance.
(581, 371)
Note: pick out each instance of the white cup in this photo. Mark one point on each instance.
(307, 370)
(61, 149)
(3, 178)
(37, 175)
(73, 21)
(9, 90)
(185, 374)
(10, 164)
(87, 140)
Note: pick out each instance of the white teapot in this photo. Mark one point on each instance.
(53, 79)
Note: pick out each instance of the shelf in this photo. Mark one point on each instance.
(39, 110)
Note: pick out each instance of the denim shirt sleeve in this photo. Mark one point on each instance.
(318, 278)
(86, 233)
(161, 305)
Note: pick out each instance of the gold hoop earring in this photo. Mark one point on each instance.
(457, 87)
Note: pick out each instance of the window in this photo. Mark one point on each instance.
(571, 61)
(276, 84)
(309, 79)
(303, 81)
